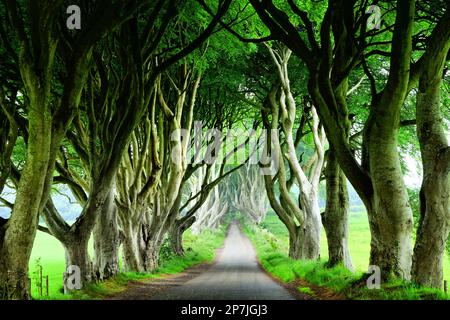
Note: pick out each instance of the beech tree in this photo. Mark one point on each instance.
(208, 216)
(201, 207)
(78, 59)
(434, 221)
(321, 90)
(247, 193)
(144, 205)
(35, 58)
(331, 52)
(221, 138)
(304, 236)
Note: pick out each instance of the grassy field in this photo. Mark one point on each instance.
(48, 253)
(272, 246)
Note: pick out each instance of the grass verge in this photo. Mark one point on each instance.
(271, 251)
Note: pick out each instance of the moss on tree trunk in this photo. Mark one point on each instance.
(335, 217)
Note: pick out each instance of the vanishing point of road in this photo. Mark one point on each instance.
(235, 275)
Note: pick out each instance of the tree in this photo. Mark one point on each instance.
(434, 220)
(247, 193)
(305, 241)
(145, 203)
(329, 69)
(208, 216)
(36, 54)
(255, 33)
(210, 174)
(335, 217)
(223, 129)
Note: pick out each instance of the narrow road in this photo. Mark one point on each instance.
(236, 275)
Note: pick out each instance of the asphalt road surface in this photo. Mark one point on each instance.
(236, 275)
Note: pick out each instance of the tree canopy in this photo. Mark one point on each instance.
(151, 115)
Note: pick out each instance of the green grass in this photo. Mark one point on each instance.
(50, 254)
(271, 242)
(199, 248)
(359, 241)
(306, 290)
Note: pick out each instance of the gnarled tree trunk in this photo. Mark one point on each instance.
(304, 242)
(106, 240)
(390, 215)
(151, 253)
(20, 230)
(131, 249)
(77, 255)
(302, 219)
(434, 224)
(176, 234)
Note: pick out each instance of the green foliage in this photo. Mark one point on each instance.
(166, 251)
(19, 153)
(232, 72)
(287, 269)
(50, 254)
(414, 202)
(273, 225)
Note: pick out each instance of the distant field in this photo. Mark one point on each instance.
(359, 240)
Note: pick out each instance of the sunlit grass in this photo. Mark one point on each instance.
(359, 241)
(271, 243)
(199, 248)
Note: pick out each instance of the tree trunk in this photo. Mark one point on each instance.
(77, 255)
(295, 241)
(448, 246)
(132, 258)
(176, 240)
(106, 241)
(131, 261)
(152, 250)
(434, 224)
(176, 234)
(335, 217)
(433, 231)
(20, 230)
(302, 245)
(304, 242)
(390, 214)
(390, 220)
(142, 240)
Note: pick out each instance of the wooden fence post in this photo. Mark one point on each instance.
(40, 281)
(46, 285)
